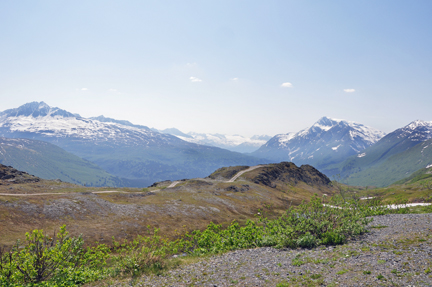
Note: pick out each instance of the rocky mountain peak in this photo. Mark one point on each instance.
(36, 109)
(418, 123)
(326, 121)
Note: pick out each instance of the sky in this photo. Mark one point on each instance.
(226, 66)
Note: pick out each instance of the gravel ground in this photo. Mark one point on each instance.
(396, 252)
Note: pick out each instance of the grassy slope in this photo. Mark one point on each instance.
(419, 175)
(51, 162)
(395, 167)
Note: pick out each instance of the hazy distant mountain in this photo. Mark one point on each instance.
(392, 158)
(175, 132)
(119, 147)
(122, 122)
(48, 161)
(328, 141)
(236, 143)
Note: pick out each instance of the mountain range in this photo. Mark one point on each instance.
(392, 158)
(55, 143)
(118, 147)
(326, 142)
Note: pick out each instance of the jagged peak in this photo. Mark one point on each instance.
(326, 121)
(37, 109)
(418, 123)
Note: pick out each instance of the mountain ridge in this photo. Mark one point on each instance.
(125, 151)
(327, 141)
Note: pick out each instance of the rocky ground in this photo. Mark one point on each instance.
(396, 252)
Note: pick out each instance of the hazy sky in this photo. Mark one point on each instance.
(234, 67)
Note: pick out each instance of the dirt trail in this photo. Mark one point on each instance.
(244, 171)
(59, 193)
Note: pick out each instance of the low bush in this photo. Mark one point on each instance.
(59, 259)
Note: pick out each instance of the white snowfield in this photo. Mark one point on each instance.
(68, 126)
(391, 206)
(83, 129)
(224, 140)
(244, 171)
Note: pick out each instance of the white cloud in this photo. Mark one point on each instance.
(286, 85)
(112, 90)
(195, 79)
(84, 89)
(234, 79)
(349, 90)
(189, 65)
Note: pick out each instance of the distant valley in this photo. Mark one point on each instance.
(100, 151)
(235, 143)
(123, 150)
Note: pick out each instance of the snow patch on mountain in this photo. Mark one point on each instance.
(284, 138)
(320, 142)
(325, 124)
(416, 131)
(336, 147)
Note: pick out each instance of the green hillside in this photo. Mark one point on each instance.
(394, 168)
(48, 161)
(158, 163)
(372, 156)
(420, 175)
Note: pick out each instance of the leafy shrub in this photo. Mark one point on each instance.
(142, 254)
(58, 259)
(307, 241)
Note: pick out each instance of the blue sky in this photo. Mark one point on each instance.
(220, 66)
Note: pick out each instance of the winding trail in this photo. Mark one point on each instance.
(59, 193)
(174, 183)
(244, 171)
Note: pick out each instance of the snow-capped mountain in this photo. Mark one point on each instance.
(38, 120)
(325, 142)
(236, 143)
(417, 130)
(392, 158)
(398, 141)
(119, 147)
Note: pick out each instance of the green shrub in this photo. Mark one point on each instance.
(57, 259)
(143, 254)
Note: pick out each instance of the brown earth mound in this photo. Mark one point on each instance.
(10, 175)
(288, 172)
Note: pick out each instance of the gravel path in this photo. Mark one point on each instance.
(244, 171)
(397, 252)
